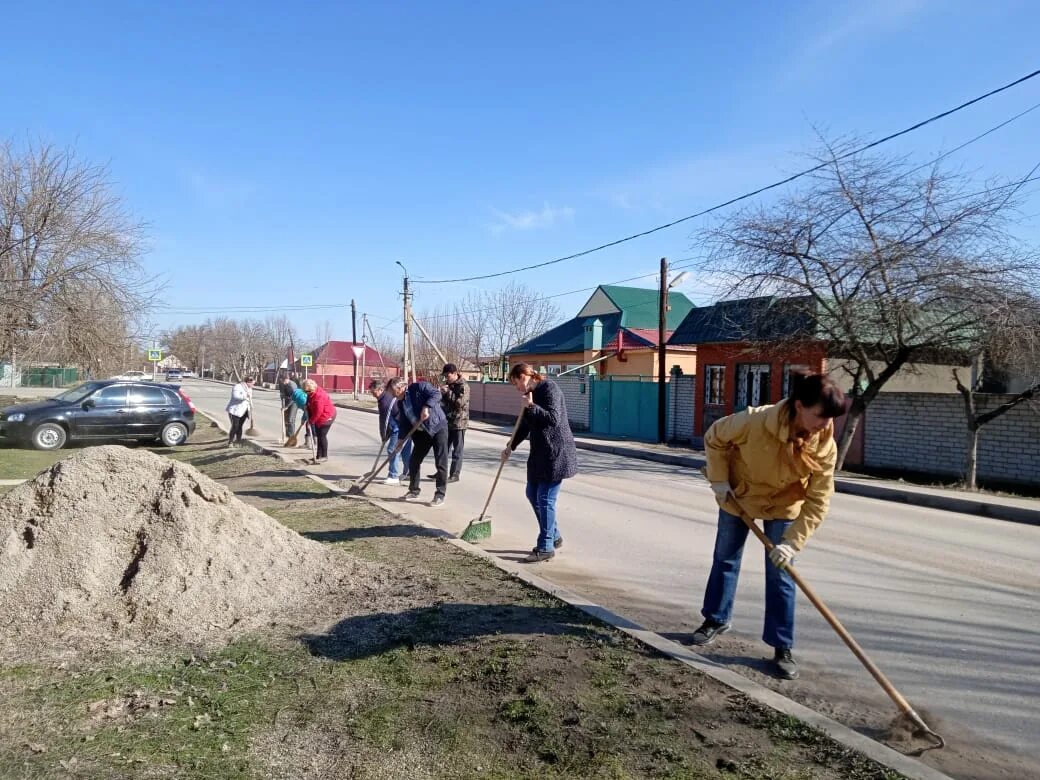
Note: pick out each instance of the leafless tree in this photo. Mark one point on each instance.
(474, 315)
(517, 313)
(1007, 349)
(71, 284)
(897, 262)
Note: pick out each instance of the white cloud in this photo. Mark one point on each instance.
(531, 220)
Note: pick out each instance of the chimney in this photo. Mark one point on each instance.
(593, 336)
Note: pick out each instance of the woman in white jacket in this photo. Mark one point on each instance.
(238, 409)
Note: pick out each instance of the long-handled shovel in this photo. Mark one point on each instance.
(907, 711)
(359, 488)
(481, 527)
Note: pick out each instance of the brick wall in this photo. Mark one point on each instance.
(681, 391)
(576, 392)
(926, 432)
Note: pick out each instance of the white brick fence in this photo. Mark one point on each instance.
(926, 432)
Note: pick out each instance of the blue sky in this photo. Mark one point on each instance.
(289, 155)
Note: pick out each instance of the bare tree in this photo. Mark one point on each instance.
(517, 313)
(474, 315)
(1007, 345)
(71, 284)
(896, 263)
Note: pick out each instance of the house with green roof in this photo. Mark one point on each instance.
(618, 329)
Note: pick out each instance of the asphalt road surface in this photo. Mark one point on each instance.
(944, 603)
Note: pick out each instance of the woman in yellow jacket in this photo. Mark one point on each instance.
(775, 463)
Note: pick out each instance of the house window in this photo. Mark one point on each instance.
(788, 368)
(554, 369)
(752, 385)
(713, 384)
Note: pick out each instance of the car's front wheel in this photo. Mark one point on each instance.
(49, 436)
(174, 434)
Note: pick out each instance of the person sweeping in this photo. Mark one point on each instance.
(553, 457)
(774, 463)
(321, 413)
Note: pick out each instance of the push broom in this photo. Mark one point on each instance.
(907, 714)
(481, 527)
(359, 488)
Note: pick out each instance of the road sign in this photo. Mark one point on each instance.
(358, 351)
(307, 361)
(155, 355)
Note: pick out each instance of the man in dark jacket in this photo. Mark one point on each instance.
(455, 402)
(286, 388)
(390, 432)
(421, 402)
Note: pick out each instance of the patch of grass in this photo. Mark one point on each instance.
(18, 463)
(457, 670)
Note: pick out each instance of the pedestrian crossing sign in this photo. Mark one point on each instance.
(307, 361)
(155, 355)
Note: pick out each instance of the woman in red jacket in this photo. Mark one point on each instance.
(321, 414)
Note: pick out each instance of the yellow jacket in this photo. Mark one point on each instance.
(750, 450)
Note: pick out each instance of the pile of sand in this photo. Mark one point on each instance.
(114, 547)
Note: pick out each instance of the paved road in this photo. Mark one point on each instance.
(945, 603)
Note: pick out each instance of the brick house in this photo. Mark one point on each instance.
(747, 348)
(740, 360)
(333, 367)
(618, 326)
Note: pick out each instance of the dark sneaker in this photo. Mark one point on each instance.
(783, 663)
(411, 495)
(556, 545)
(437, 501)
(453, 479)
(708, 632)
(431, 476)
(537, 556)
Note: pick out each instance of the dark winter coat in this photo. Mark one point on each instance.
(285, 391)
(455, 402)
(420, 394)
(553, 454)
(387, 415)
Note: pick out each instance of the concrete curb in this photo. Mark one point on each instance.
(841, 734)
(949, 503)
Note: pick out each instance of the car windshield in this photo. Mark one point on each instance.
(78, 393)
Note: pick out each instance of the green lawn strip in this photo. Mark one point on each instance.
(474, 675)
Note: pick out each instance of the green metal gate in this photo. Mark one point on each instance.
(624, 407)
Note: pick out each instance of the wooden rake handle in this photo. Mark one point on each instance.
(501, 464)
(846, 637)
(400, 446)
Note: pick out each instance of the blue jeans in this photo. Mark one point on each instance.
(778, 630)
(395, 461)
(542, 496)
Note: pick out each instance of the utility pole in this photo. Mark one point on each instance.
(661, 358)
(409, 355)
(364, 343)
(353, 342)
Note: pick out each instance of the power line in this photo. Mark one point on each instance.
(746, 195)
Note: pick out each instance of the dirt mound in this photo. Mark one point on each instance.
(114, 547)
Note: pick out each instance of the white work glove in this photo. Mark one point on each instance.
(723, 492)
(505, 454)
(781, 555)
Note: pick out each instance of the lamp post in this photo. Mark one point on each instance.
(661, 356)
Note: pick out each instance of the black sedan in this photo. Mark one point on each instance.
(105, 409)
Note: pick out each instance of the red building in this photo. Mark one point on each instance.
(746, 350)
(334, 366)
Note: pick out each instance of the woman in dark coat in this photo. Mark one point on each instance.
(553, 456)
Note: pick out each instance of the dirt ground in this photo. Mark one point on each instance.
(452, 669)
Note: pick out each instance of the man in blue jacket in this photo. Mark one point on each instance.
(390, 432)
(421, 402)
